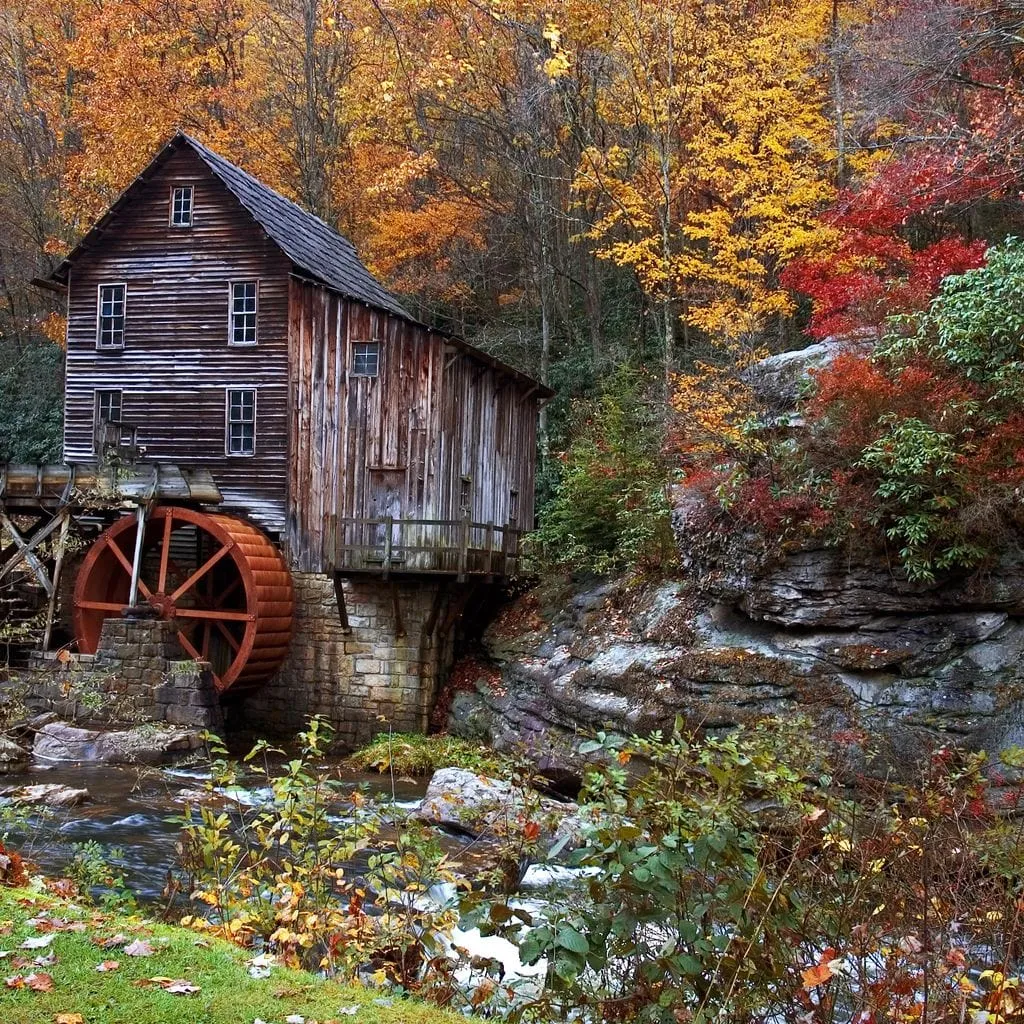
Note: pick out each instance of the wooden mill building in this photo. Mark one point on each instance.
(326, 474)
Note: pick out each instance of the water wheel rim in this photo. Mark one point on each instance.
(89, 613)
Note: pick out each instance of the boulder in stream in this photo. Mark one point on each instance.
(145, 744)
(13, 758)
(479, 806)
(51, 794)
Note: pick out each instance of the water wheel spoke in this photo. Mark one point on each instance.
(214, 614)
(227, 634)
(127, 566)
(186, 646)
(227, 592)
(102, 606)
(206, 641)
(201, 571)
(165, 555)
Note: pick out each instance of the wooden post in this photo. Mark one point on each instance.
(58, 563)
(388, 523)
(464, 548)
(504, 550)
(140, 530)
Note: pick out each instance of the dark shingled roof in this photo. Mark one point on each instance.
(306, 240)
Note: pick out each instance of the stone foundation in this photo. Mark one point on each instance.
(383, 671)
(136, 675)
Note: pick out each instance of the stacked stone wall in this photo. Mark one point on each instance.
(136, 675)
(382, 672)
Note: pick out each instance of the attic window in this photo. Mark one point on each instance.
(365, 358)
(181, 206)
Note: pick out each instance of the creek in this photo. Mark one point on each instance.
(131, 810)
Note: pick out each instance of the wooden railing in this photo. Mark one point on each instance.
(450, 547)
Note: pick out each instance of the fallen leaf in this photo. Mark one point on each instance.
(68, 1018)
(114, 940)
(108, 965)
(140, 947)
(39, 941)
(45, 961)
(4, 953)
(295, 1018)
(40, 982)
(350, 1010)
(181, 987)
(176, 986)
(15, 981)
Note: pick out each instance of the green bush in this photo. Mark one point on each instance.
(610, 508)
(31, 404)
(411, 754)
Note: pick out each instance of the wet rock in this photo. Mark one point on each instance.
(481, 806)
(50, 794)
(13, 758)
(144, 744)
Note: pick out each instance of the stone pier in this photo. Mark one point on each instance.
(381, 672)
(136, 675)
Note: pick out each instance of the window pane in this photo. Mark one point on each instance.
(110, 332)
(243, 313)
(181, 206)
(366, 358)
(241, 422)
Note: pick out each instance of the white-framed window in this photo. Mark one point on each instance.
(365, 358)
(240, 421)
(244, 297)
(181, 206)
(111, 301)
(106, 409)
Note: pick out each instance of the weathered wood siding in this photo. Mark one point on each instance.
(400, 443)
(176, 363)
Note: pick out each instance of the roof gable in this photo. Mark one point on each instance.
(312, 245)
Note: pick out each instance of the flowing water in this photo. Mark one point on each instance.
(131, 810)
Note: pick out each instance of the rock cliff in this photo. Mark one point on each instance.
(837, 635)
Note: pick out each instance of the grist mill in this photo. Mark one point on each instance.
(271, 470)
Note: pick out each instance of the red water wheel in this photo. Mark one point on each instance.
(219, 580)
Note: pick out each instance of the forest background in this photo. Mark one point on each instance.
(632, 200)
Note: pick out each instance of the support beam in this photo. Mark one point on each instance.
(339, 595)
(58, 565)
(26, 550)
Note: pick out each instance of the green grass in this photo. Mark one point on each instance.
(412, 754)
(228, 995)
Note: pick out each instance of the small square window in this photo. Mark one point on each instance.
(110, 316)
(365, 358)
(242, 327)
(513, 507)
(181, 206)
(466, 495)
(240, 426)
